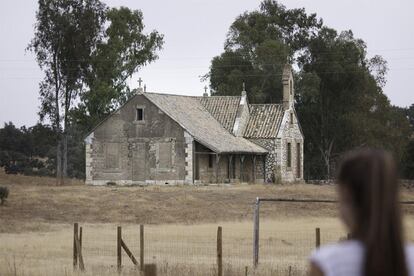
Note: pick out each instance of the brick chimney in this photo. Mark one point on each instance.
(288, 89)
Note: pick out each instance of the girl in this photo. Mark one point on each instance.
(369, 207)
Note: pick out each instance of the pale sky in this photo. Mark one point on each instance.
(195, 31)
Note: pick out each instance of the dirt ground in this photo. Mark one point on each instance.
(36, 229)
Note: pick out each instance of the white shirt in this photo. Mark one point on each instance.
(346, 258)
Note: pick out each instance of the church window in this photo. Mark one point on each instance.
(140, 114)
(291, 118)
(210, 160)
(289, 155)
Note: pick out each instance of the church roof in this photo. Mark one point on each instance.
(223, 109)
(196, 119)
(264, 120)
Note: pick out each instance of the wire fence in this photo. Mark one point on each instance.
(174, 249)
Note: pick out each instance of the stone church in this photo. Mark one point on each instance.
(173, 139)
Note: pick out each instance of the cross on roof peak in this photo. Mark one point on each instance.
(139, 81)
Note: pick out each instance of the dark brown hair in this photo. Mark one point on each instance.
(370, 178)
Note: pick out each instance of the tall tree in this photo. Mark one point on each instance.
(122, 51)
(258, 45)
(66, 33)
(341, 103)
(87, 51)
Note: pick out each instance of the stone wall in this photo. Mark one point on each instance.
(123, 150)
(189, 155)
(290, 132)
(271, 163)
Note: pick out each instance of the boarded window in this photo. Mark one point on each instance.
(210, 160)
(140, 114)
(289, 155)
(111, 156)
(164, 155)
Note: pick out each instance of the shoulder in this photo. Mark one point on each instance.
(410, 258)
(331, 257)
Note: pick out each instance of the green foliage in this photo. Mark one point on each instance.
(27, 150)
(122, 50)
(4, 193)
(257, 46)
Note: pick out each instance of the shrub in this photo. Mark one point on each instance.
(4, 193)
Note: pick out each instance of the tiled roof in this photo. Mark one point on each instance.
(191, 114)
(264, 121)
(223, 108)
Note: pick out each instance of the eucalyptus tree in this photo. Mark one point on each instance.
(86, 51)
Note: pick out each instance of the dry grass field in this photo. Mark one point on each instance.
(36, 227)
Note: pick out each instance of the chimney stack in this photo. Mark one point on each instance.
(288, 89)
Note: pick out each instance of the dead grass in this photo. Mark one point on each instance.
(181, 224)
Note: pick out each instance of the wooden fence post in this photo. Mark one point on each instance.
(318, 237)
(80, 237)
(75, 252)
(141, 246)
(118, 248)
(219, 252)
(129, 253)
(79, 253)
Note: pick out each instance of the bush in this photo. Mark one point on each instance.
(4, 193)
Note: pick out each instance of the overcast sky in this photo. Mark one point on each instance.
(195, 31)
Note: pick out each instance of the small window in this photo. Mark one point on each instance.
(289, 155)
(210, 160)
(291, 118)
(291, 87)
(140, 114)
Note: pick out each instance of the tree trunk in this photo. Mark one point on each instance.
(58, 162)
(65, 157)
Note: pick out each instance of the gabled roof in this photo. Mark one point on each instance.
(264, 121)
(222, 108)
(191, 114)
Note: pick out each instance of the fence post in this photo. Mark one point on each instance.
(75, 252)
(118, 248)
(256, 234)
(318, 237)
(80, 237)
(219, 252)
(141, 247)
